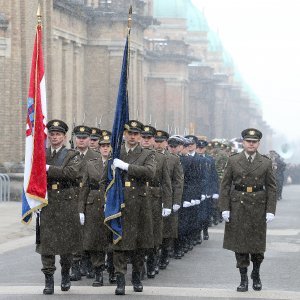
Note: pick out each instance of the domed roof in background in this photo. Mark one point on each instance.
(183, 9)
(215, 44)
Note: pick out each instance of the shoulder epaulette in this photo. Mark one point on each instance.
(234, 154)
(95, 158)
(264, 155)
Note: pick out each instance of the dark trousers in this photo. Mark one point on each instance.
(48, 262)
(243, 259)
(97, 258)
(136, 258)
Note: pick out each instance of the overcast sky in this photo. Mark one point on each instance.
(263, 38)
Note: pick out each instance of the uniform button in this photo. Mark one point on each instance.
(133, 187)
(132, 179)
(242, 201)
(132, 197)
(57, 192)
(243, 193)
(244, 177)
(144, 194)
(253, 195)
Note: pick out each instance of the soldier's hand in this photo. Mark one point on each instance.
(166, 212)
(175, 207)
(226, 215)
(203, 197)
(269, 217)
(81, 218)
(193, 202)
(197, 201)
(118, 163)
(186, 204)
(215, 196)
(47, 168)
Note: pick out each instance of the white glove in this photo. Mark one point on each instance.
(186, 204)
(203, 197)
(193, 202)
(166, 212)
(47, 168)
(197, 201)
(269, 217)
(118, 163)
(226, 215)
(215, 196)
(82, 218)
(175, 207)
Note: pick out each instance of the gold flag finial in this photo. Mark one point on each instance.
(38, 13)
(129, 18)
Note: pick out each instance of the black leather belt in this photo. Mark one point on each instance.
(249, 189)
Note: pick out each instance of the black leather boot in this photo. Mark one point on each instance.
(49, 285)
(65, 280)
(136, 282)
(257, 286)
(120, 290)
(83, 265)
(90, 269)
(112, 278)
(205, 234)
(99, 277)
(243, 287)
(75, 271)
(199, 238)
(151, 265)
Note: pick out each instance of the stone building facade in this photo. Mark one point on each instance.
(180, 77)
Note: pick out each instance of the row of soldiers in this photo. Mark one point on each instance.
(170, 187)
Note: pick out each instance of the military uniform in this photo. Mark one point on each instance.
(248, 193)
(91, 204)
(137, 222)
(59, 220)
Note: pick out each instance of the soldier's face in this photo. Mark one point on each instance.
(132, 138)
(160, 146)
(94, 144)
(56, 138)
(105, 150)
(192, 147)
(250, 146)
(82, 143)
(147, 141)
(201, 150)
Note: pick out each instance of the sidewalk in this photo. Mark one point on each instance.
(13, 233)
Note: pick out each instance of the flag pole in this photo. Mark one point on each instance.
(38, 13)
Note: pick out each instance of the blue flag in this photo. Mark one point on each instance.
(114, 191)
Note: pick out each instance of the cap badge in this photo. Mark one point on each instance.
(133, 124)
(104, 133)
(106, 137)
(81, 129)
(146, 128)
(56, 123)
(159, 133)
(94, 131)
(252, 132)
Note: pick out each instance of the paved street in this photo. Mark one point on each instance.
(208, 272)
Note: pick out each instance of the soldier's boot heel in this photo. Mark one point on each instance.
(243, 287)
(136, 282)
(49, 285)
(99, 277)
(65, 280)
(257, 286)
(120, 290)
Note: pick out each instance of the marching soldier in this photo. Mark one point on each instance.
(170, 223)
(248, 202)
(160, 192)
(59, 220)
(91, 207)
(82, 265)
(95, 136)
(138, 167)
(105, 151)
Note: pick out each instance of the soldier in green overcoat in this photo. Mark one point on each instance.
(248, 202)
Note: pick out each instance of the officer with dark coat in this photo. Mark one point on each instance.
(59, 220)
(91, 205)
(248, 202)
(160, 192)
(170, 223)
(82, 265)
(96, 134)
(138, 167)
